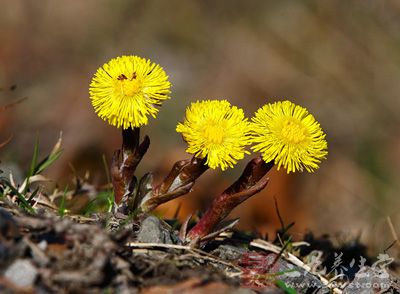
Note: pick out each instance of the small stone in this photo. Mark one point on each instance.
(42, 245)
(228, 252)
(22, 273)
(153, 230)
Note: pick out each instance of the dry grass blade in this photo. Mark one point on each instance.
(12, 104)
(183, 230)
(261, 244)
(393, 231)
(215, 234)
(2, 144)
(196, 252)
(31, 180)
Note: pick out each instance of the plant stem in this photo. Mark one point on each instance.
(250, 183)
(125, 161)
(179, 182)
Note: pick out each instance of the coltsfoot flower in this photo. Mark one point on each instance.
(127, 89)
(215, 130)
(288, 135)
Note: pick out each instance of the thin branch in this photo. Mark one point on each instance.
(393, 231)
(2, 144)
(194, 251)
(258, 243)
(278, 213)
(12, 104)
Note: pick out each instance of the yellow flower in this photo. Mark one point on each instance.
(127, 89)
(289, 135)
(216, 130)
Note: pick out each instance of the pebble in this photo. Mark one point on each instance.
(22, 273)
(153, 230)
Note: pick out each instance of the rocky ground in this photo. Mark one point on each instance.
(49, 254)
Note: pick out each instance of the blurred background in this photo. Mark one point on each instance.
(339, 59)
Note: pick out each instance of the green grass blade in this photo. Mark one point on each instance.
(34, 158)
(46, 162)
(106, 169)
(24, 203)
(33, 164)
(102, 203)
(33, 194)
(286, 289)
(61, 209)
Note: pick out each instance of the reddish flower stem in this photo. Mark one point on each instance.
(178, 182)
(250, 183)
(125, 161)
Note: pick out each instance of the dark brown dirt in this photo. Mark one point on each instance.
(49, 254)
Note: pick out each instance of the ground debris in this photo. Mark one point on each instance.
(372, 280)
(49, 254)
(60, 255)
(197, 286)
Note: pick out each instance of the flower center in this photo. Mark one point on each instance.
(214, 133)
(293, 132)
(129, 87)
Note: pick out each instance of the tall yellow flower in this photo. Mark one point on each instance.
(289, 135)
(216, 130)
(127, 89)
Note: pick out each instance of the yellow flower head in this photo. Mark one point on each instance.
(216, 130)
(127, 89)
(289, 135)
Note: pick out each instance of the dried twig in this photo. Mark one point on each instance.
(393, 231)
(9, 105)
(194, 251)
(218, 232)
(267, 246)
(4, 143)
